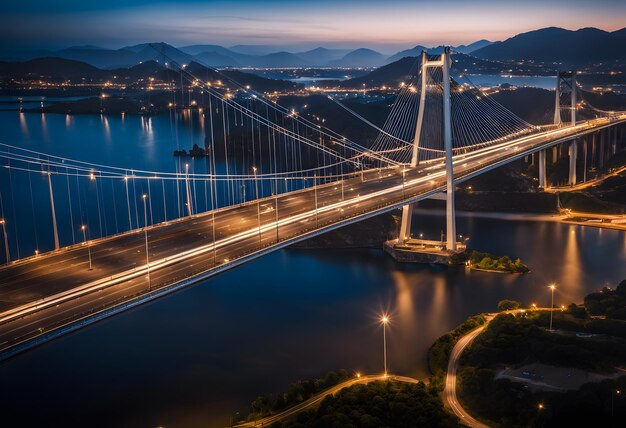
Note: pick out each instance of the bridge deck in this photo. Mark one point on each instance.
(44, 293)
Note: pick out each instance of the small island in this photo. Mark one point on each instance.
(477, 260)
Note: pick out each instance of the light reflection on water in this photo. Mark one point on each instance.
(198, 356)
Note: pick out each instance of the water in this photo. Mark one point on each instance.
(196, 357)
(543, 82)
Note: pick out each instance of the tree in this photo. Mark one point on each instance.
(508, 305)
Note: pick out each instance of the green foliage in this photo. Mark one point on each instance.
(439, 352)
(508, 305)
(488, 261)
(514, 340)
(378, 404)
(611, 303)
(296, 393)
(577, 311)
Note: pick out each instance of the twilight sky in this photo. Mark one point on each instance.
(386, 25)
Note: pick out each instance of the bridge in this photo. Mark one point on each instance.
(304, 179)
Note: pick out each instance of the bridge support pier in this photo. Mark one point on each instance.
(405, 225)
(573, 155)
(542, 169)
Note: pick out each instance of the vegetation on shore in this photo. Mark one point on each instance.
(516, 341)
(298, 392)
(488, 262)
(377, 404)
(439, 352)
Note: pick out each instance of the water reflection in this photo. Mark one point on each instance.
(23, 124)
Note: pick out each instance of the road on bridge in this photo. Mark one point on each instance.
(43, 294)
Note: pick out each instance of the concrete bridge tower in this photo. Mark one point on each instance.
(405, 228)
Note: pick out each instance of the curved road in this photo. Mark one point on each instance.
(315, 400)
(449, 392)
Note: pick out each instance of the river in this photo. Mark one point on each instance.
(197, 357)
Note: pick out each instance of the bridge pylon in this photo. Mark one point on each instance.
(567, 79)
(405, 228)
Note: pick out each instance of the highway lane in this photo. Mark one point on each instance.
(235, 237)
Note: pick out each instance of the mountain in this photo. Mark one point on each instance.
(278, 59)
(256, 50)
(414, 52)
(548, 45)
(417, 50)
(216, 59)
(55, 69)
(466, 49)
(198, 49)
(106, 58)
(162, 52)
(390, 74)
(362, 57)
(322, 56)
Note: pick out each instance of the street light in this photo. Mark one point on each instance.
(145, 230)
(258, 203)
(552, 288)
(613, 394)
(385, 321)
(6, 240)
(83, 227)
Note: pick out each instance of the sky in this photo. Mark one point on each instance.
(385, 25)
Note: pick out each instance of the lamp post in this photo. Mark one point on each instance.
(614, 392)
(83, 227)
(385, 321)
(552, 288)
(6, 240)
(258, 203)
(145, 230)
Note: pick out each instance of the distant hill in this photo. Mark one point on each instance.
(54, 69)
(61, 69)
(322, 56)
(466, 49)
(548, 45)
(414, 52)
(390, 74)
(216, 59)
(402, 70)
(360, 58)
(417, 50)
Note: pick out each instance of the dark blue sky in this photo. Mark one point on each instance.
(385, 25)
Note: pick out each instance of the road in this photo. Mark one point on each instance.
(315, 400)
(450, 398)
(40, 295)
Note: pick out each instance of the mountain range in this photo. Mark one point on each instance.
(557, 45)
(219, 56)
(583, 47)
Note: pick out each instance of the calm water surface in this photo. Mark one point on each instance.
(199, 356)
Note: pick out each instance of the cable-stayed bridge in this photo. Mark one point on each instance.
(273, 177)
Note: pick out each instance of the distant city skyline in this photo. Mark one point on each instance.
(292, 25)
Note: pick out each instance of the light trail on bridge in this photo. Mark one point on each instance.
(179, 251)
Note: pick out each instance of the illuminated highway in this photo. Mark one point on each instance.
(46, 295)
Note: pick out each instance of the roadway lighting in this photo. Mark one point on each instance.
(258, 202)
(83, 227)
(358, 375)
(145, 230)
(613, 394)
(6, 241)
(385, 320)
(540, 406)
(552, 288)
